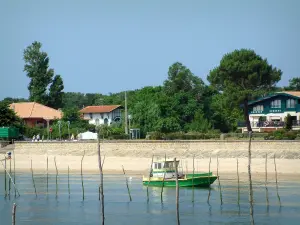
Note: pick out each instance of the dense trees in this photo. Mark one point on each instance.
(242, 75)
(41, 76)
(8, 116)
(183, 103)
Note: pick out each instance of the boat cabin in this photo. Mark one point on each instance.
(165, 169)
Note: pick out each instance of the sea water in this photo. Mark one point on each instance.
(49, 208)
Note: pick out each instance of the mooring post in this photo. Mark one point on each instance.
(82, 177)
(266, 179)
(33, 179)
(220, 189)
(250, 179)
(127, 184)
(163, 182)
(149, 179)
(193, 178)
(276, 181)
(101, 177)
(238, 179)
(13, 219)
(209, 189)
(177, 193)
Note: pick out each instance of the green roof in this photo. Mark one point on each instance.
(271, 96)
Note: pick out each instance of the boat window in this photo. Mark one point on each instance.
(155, 165)
(158, 165)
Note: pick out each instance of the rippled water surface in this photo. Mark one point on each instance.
(49, 209)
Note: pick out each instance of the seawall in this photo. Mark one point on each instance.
(180, 149)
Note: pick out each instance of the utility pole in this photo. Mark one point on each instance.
(126, 114)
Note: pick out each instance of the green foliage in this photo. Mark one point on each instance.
(37, 69)
(8, 117)
(199, 123)
(56, 93)
(183, 136)
(282, 135)
(288, 122)
(242, 75)
(294, 84)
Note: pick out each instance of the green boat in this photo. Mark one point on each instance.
(163, 174)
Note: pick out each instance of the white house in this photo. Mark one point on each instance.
(103, 114)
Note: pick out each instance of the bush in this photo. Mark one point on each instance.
(281, 135)
(183, 136)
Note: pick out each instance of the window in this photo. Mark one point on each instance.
(97, 122)
(101, 116)
(258, 108)
(291, 103)
(276, 103)
(158, 165)
(91, 115)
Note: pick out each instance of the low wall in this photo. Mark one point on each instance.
(182, 149)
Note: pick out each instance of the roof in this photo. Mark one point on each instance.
(295, 94)
(35, 110)
(100, 108)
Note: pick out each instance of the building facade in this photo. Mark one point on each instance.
(269, 113)
(104, 114)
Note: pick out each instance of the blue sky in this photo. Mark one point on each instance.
(111, 46)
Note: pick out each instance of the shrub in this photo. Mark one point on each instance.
(281, 135)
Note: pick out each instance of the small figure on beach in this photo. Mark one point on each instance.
(33, 138)
(38, 137)
(72, 137)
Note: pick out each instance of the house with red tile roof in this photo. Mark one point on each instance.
(35, 114)
(102, 114)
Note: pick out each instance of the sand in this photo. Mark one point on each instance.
(140, 165)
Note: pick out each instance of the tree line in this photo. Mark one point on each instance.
(183, 103)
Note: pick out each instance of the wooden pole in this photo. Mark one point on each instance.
(266, 179)
(9, 182)
(208, 197)
(238, 179)
(13, 219)
(69, 182)
(56, 176)
(101, 178)
(127, 184)
(33, 179)
(82, 177)
(149, 179)
(250, 179)
(276, 181)
(9, 178)
(220, 189)
(5, 190)
(163, 182)
(193, 178)
(177, 193)
(15, 171)
(47, 175)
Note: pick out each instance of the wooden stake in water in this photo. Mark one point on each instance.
(220, 189)
(47, 174)
(5, 191)
(250, 179)
(33, 180)
(276, 181)
(163, 182)
(15, 171)
(127, 184)
(177, 192)
(82, 176)
(9, 182)
(101, 178)
(6, 172)
(56, 176)
(193, 178)
(13, 219)
(149, 179)
(208, 197)
(69, 182)
(266, 179)
(238, 179)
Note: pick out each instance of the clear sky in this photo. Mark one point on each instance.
(115, 45)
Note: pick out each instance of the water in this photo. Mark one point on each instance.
(47, 209)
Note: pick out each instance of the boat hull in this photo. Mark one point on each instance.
(187, 181)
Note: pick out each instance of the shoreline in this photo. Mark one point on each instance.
(141, 165)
